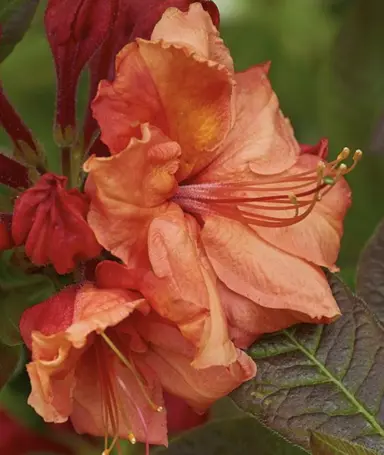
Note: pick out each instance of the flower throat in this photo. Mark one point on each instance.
(288, 199)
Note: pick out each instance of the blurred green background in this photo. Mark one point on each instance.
(327, 69)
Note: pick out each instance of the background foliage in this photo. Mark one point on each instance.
(327, 69)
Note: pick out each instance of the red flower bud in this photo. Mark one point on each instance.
(135, 19)
(6, 241)
(51, 221)
(75, 29)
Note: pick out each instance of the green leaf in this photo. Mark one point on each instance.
(240, 436)
(18, 291)
(370, 273)
(14, 395)
(15, 18)
(9, 358)
(322, 444)
(328, 378)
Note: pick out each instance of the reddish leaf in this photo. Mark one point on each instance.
(13, 173)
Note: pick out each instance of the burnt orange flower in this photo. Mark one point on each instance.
(101, 358)
(207, 189)
(51, 221)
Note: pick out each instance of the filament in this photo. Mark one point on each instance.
(126, 363)
(250, 202)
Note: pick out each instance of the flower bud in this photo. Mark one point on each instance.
(13, 173)
(51, 221)
(75, 29)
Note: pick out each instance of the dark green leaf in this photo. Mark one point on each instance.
(18, 291)
(240, 436)
(9, 358)
(370, 273)
(323, 378)
(322, 444)
(15, 18)
(14, 396)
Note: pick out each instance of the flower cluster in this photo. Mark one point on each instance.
(191, 225)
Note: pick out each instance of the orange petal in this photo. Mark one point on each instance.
(317, 237)
(195, 31)
(184, 95)
(130, 99)
(56, 353)
(128, 189)
(97, 309)
(110, 274)
(170, 357)
(50, 317)
(185, 281)
(135, 415)
(52, 376)
(261, 140)
(181, 288)
(196, 100)
(262, 273)
(247, 321)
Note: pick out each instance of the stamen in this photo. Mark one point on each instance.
(249, 202)
(140, 414)
(344, 154)
(109, 408)
(123, 359)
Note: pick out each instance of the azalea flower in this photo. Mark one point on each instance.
(102, 358)
(204, 173)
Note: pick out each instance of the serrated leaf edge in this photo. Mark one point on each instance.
(319, 435)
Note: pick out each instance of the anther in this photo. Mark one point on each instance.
(320, 169)
(344, 154)
(357, 155)
(342, 169)
(131, 438)
(160, 409)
